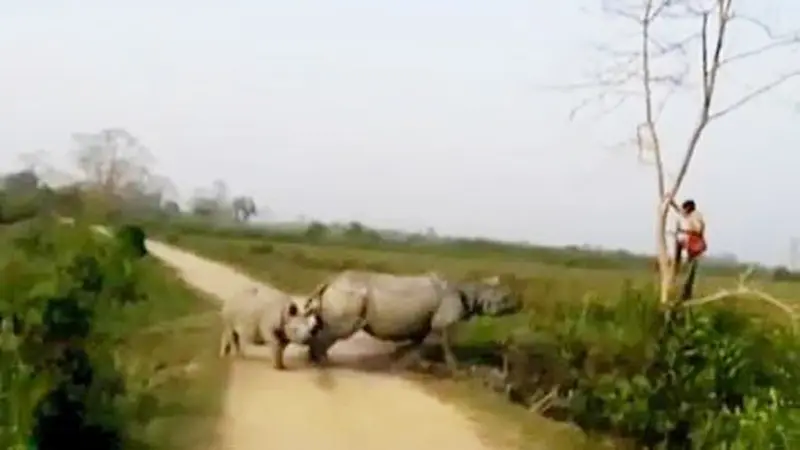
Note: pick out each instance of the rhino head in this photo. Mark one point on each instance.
(301, 320)
(489, 297)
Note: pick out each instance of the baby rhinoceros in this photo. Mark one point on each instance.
(402, 308)
(266, 316)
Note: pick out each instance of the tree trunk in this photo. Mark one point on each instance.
(666, 269)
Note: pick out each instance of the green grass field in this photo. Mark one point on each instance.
(300, 267)
(590, 326)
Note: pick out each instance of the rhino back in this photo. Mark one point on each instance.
(400, 307)
(251, 312)
(343, 304)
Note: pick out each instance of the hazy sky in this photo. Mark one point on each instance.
(405, 114)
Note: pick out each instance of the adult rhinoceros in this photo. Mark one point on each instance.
(402, 308)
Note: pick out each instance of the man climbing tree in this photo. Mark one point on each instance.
(689, 49)
(689, 239)
(690, 235)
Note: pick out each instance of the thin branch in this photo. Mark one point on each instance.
(794, 40)
(704, 51)
(544, 403)
(742, 290)
(620, 73)
(600, 98)
(680, 46)
(754, 94)
(723, 17)
(648, 96)
(663, 103)
(766, 29)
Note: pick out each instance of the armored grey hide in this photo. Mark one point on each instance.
(267, 316)
(400, 307)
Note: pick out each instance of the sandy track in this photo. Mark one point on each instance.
(305, 408)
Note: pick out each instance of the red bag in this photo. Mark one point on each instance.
(695, 245)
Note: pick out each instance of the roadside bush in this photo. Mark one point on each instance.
(16, 208)
(60, 385)
(132, 238)
(784, 274)
(705, 379)
(21, 388)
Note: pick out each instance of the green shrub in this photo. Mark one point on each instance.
(704, 379)
(132, 238)
(60, 386)
(20, 207)
(784, 274)
(21, 388)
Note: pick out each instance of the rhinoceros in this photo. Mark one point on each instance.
(401, 308)
(261, 315)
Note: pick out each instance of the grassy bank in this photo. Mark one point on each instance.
(173, 359)
(86, 360)
(594, 344)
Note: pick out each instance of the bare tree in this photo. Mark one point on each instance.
(112, 161)
(683, 46)
(117, 172)
(220, 192)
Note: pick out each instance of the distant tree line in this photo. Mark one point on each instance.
(115, 179)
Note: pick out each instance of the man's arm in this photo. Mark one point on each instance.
(669, 199)
(674, 205)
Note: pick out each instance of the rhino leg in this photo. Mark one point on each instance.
(225, 343)
(230, 343)
(408, 354)
(446, 317)
(237, 342)
(279, 344)
(318, 349)
(449, 357)
(278, 349)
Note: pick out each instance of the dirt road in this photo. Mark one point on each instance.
(305, 408)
